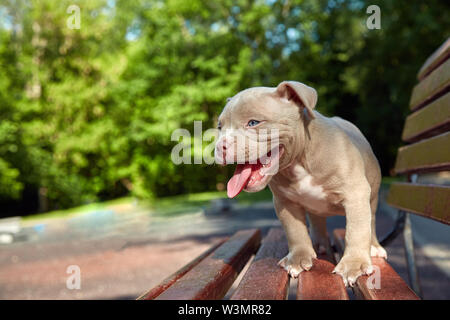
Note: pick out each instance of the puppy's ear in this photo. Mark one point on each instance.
(301, 94)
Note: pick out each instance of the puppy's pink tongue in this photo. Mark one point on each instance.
(239, 179)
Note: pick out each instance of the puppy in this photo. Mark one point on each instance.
(313, 164)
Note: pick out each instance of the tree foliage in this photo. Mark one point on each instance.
(88, 113)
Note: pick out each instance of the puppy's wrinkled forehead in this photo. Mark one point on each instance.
(254, 103)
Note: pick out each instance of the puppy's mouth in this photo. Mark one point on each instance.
(251, 177)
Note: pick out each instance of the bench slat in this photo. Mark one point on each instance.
(392, 286)
(320, 283)
(432, 154)
(431, 201)
(440, 55)
(213, 276)
(431, 87)
(166, 283)
(428, 121)
(265, 280)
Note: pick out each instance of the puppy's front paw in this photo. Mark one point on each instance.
(297, 261)
(350, 268)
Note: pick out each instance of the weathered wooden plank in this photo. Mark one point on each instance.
(265, 280)
(213, 276)
(439, 56)
(320, 283)
(427, 155)
(166, 283)
(389, 286)
(431, 201)
(429, 121)
(432, 87)
(383, 284)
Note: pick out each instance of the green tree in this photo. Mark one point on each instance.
(87, 114)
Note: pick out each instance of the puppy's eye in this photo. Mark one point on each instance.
(252, 123)
(219, 125)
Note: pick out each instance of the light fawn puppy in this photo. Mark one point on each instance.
(313, 164)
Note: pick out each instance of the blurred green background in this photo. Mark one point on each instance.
(87, 114)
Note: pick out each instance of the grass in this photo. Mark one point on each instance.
(246, 198)
(166, 206)
(189, 203)
(77, 210)
(183, 204)
(170, 206)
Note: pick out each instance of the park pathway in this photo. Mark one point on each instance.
(126, 250)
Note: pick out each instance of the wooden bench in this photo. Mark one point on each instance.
(427, 132)
(212, 274)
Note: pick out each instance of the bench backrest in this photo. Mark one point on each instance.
(427, 132)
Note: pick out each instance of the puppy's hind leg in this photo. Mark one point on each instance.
(319, 234)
